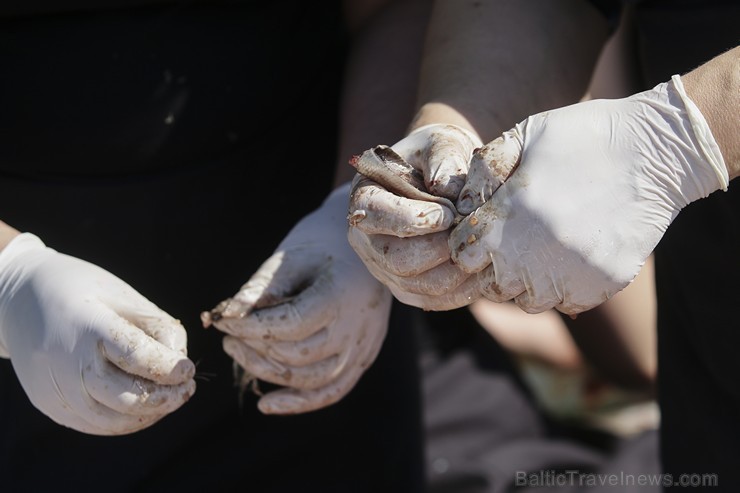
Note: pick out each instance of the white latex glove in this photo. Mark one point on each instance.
(311, 319)
(90, 352)
(596, 186)
(402, 241)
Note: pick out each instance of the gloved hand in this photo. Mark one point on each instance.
(90, 352)
(403, 241)
(597, 185)
(311, 319)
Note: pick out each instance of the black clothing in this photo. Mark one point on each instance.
(169, 144)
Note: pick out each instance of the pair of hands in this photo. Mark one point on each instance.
(562, 210)
(95, 355)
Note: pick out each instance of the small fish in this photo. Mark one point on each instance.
(386, 167)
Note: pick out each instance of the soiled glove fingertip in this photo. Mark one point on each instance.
(448, 186)
(207, 319)
(466, 204)
(235, 309)
(466, 253)
(183, 371)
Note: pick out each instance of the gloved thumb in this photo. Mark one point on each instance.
(442, 153)
(490, 166)
(278, 279)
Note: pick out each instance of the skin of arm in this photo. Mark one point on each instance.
(715, 88)
(381, 76)
(489, 64)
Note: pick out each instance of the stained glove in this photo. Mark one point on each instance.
(596, 186)
(403, 241)
(90, 352)
(311, 319)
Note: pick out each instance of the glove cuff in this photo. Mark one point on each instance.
(9, 273)
(706, 143)
(21, 243)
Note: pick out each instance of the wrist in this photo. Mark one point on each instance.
(715, 89)
(440, 113)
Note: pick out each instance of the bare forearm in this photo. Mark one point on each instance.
(489, 64)
(617, 338)
(381, 80)
(715, 88)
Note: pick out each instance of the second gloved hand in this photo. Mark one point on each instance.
(311, 319)
(90, 352)
(596, 186)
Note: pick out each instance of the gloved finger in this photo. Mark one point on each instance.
(574, 309)
(465, 294)
(133, 351)
(499, 288)
(278, 279)
(472, 242)
(490, 166)
(293, 320)
(132, 395)
(443, 153)
(156, 323)
(296, 353)
(375, 210)
(311, 376)
(401, 256)
(438, 281)
(293, 401)
(412, 290)
(538, 296)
